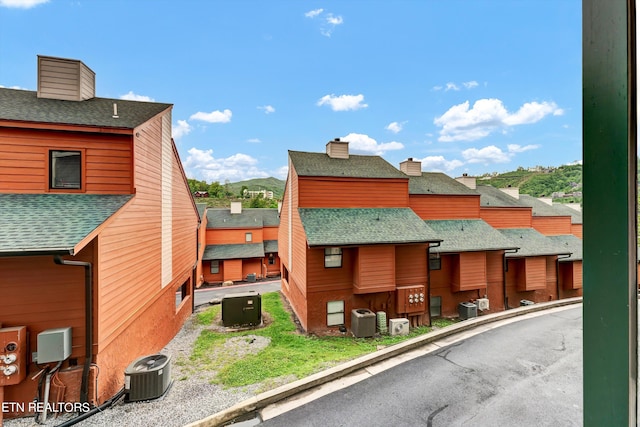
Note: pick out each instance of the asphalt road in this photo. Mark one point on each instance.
(526, 373)
(204, 295)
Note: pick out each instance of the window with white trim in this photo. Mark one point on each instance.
(248, 237)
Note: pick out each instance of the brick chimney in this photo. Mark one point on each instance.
(469, 181)
(65, 79)
(337, 149)
(411, 167)
(512, 191)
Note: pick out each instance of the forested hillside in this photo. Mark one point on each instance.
(563, 183)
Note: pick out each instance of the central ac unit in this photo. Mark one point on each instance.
(147, 377)
(399, 326)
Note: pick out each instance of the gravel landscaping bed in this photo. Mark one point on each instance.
(191, 397)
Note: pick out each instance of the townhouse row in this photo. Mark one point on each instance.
(425, 245)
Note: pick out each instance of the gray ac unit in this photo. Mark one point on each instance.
(363, 323)
(467, 310)
(147, 377)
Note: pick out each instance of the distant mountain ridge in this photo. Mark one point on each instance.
(270, 184)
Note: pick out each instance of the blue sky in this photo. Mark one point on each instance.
(464, 86)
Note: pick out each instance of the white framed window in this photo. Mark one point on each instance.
(248, 237)
(215, 267)
(335, 313)
(333, 257)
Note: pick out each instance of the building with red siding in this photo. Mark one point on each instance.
(241, 244)
(98, 235)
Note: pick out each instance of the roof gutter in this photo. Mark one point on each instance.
(88, 313)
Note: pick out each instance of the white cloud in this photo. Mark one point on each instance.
(343, 102)
(254, 140)
(394, 127)
(334, 20)
(471, 84)
(181, 129)
(365, 144)
(451, 86)
(486, 155)
(200, 164)
(14, 87)
(515, 148)
(460, 123)
(134, 97)
(439, 164)
(213, 117)
(436, 88)
(281, 172)
(455, 86)
(313, 13)
(268, 109)
(22, 4)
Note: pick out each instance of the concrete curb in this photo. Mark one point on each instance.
(283, 392)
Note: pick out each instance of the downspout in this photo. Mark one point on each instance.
(88, 314)
(429, 281)
(558, 274)
(504, 276)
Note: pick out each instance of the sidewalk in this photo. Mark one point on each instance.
(289, 396)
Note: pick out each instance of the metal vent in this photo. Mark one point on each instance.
(147, 377)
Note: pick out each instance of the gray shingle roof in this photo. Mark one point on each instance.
(576, 216)
(52, 222)
(437, 183)
(23, 105)
(233, 251)
(468, 235)
(270, 246)
(248, 218)
(364, 226)
(201, 208)
(572, 244)
(541, 208)
(532, 243)
(356, 166)
(494, 197)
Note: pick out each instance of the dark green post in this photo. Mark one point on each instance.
(609, 213)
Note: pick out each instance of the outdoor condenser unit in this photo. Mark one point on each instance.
(147, 377)
(467, 310)
(363, 323)
(399, 326)
(242, 309)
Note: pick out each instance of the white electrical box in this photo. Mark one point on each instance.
(54, 345)
(483, 304)
(399, 326)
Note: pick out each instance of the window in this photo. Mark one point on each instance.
(182, 292)
(65, 169)
(335, 313)
(333, 257)
(248, 237)
(272, 259)
(435, 263)
(215, 267)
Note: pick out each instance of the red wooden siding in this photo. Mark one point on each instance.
(506, 217)
(441, 285)
(330, 279)
(316, 192)
(24, 160)
(445, 206)
(202, 244)
(495, 281)
(233, 270)
(225, 236)
(41, 295)
(270, 233)
(374, 269)
(470, 271)
(411, 265)
(252, 266)
(576, 230)
(571, 275)
(552, 225)
(213, 277)
(535, 274)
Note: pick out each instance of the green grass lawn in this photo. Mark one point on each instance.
(288, 354)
